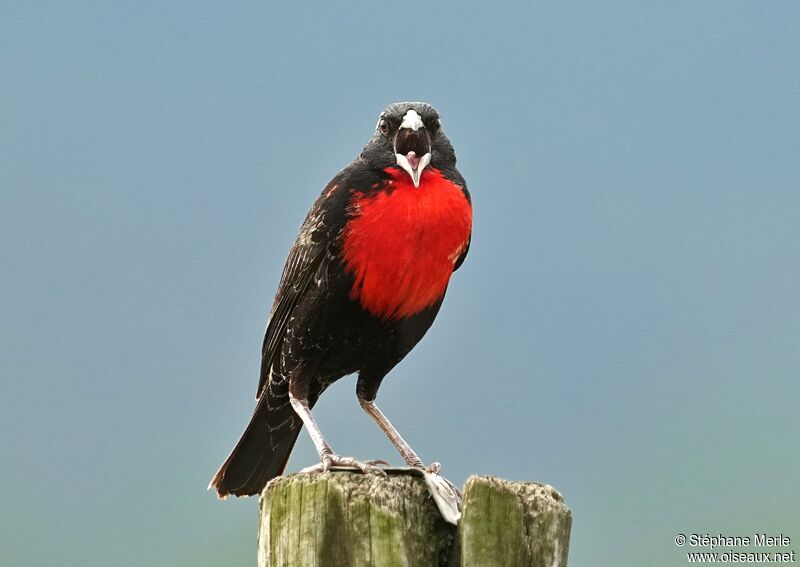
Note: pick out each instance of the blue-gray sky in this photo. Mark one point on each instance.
(625, 327)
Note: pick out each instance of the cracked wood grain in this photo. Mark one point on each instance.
(342, 519)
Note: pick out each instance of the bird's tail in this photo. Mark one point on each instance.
(262, 452)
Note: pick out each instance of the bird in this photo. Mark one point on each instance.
(361, 286)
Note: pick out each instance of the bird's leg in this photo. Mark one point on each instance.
(408, 454)
(328, 459)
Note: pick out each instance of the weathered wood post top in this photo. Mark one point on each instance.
(342, 519)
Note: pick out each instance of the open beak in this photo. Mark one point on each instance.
(412, 146)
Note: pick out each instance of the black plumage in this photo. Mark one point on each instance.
(318, 331)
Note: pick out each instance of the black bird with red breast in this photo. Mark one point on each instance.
(361, 286)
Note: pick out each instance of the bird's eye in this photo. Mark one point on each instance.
(383, 126)
(435, 126)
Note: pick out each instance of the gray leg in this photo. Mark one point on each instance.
(327, 457)
(408, 454)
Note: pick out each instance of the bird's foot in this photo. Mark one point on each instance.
(329, 460)
(416, 463)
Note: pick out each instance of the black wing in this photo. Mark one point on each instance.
(454, 176)
(463, 255)
(308, 257)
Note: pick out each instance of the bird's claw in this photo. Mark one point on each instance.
(433, 468)
(329, 460)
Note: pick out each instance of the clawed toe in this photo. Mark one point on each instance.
(319, 467)
(333, 460)
(433, 468)
(368, 467)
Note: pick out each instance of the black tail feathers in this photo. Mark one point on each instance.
(262, 452)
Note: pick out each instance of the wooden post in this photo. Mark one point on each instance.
(513, 523)
(342, 519)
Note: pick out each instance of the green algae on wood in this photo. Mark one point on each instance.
(343, 519)
(351, 520)
(513, 523)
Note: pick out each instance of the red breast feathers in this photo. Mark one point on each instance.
(402, 242)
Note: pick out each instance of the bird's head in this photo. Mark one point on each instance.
(409, 135)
